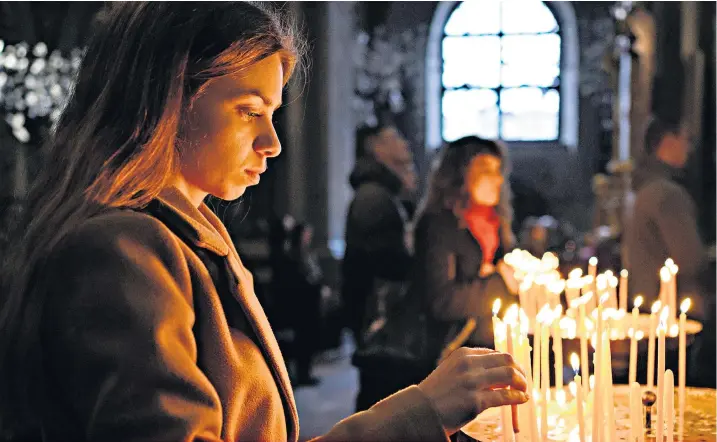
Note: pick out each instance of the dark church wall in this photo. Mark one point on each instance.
(561, 176)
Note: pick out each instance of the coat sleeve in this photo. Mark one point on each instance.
(448, 298)
(404, 416)
(121, 352)
(380, 232)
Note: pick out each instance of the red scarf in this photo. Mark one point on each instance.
(484, 222)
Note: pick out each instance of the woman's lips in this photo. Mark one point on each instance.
(254, 176)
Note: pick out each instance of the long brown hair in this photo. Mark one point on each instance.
(115, 146)
(446, 183)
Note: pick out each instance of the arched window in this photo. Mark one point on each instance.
(502, 69)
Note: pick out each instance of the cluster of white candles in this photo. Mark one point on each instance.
(541, 311)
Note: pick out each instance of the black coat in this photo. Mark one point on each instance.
(375, 237)
(446, 277)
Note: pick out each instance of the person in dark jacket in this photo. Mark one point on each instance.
(376, 223)
(461, 234)
(663, 223)
(376, 241)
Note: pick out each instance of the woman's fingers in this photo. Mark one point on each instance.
(486, 399)
(500, 377)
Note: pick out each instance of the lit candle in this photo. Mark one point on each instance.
(636, 312)
(545, 372)
(531, 403)
(583, 333)
(599, 374)
(669, 404)
(592, 275)
(575, 362)
(682, 367)
(513, 408)
(634, 339)
(609, 399)
(636, 413)
(661, 332)
(665, 277)
(651, 345)
(573, 285)
(558, 348)
(536, 349)
(623, 290)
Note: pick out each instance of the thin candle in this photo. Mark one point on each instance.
(511, 351)
(558, 348)
(651, 345)
(634, 339)
(609, 399)
(661, 332)
(575, 362)
(682, 365)
(623, 290)
(544, 372)
(496, 322)
(533, 427)
(665, 277)
(636, 414)
(669, 404)
(592, 274)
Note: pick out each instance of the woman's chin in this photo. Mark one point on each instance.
(230, 194)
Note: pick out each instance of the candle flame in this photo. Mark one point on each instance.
(664, 314)
(576, 273)
(496, 306)
(591, 381)
(608, 273)
(511, 315)
(593, 261)
(674, 330)
(665, 274)
(638, 301)
(674, 269)
(685, 305)
(524, 320)
(575, 361)
(604, 298)
(572, 386)
(639, 335)
(560, 399)
(558, 311)
(656, 306)
(623, 273)
(612, 281)
(669, 262)
(601, 282)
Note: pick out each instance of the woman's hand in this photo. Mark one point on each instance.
(470, 381)
(508, 275)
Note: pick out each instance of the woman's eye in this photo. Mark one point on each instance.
(250, 115)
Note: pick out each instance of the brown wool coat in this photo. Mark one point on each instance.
(140, 343)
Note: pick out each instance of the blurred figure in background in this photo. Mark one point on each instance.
(462, 231)
(664, 219)
(376, 222)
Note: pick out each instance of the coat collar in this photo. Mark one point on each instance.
(201, 227)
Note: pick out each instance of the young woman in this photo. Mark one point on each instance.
(128, 314)
(461, 233)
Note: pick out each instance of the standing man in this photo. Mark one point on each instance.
(664, 219)
(376, 224)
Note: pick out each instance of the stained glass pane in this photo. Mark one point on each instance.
(531, 60)
(529, 114)
(470, 112)
(474, 17)
(472, 61)
(526, 16)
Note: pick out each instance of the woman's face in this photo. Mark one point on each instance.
(484, 179)
(228, 134)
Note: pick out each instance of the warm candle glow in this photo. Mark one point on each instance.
(575, 362)
(665, 274)
(639, 335)
(669, 262)
(623, 273)
(593, 261)
(592, 382)
(685, 305)
(511, 315)
(674, 330)
(663, 318)
(638, 301)
(656, 306)
(604, 298)
(496, 306)
(572, 386)
(576, 273)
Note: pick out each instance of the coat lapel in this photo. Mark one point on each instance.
(205, 230)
